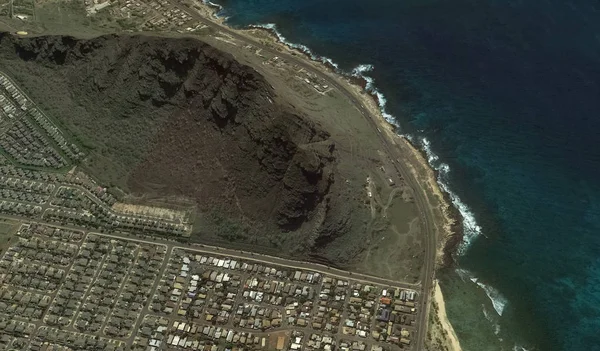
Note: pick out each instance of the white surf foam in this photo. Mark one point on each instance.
(498, 300)
(463, 274)
(470, 227)
(273, 29)
(360, 72)
(493, 319)
(487, 315)
(220, 13)
(519, 348)
(212, 4)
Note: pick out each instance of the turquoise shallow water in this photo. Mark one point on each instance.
(506, 94)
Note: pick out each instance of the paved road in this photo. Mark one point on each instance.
(215, 250)
(392, 150)
(338, 335)
(146, 307)
(389, 147)
(212, 250)
(268, 260)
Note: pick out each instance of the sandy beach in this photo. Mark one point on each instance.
(441, 328)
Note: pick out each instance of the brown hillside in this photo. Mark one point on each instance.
(176, 117)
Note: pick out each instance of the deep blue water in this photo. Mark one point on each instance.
(508, 95)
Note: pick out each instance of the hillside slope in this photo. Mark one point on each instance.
(178, 118)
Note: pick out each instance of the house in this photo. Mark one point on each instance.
(384, 315)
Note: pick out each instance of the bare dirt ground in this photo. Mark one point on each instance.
(387, 238)
(269, 161)
(388, 243)
(393, 236)
(150, 211)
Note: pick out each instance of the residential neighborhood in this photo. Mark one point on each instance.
(40, 181)
(81, 269)
(74, 289)
(28, 136)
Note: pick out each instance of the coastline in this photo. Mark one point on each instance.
(415, 158)
(448, 223)
(449, 228)
(442, 334)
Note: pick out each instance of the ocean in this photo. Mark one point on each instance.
(504, 96)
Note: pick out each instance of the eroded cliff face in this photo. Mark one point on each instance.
(176, 117)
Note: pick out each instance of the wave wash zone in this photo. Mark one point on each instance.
(501, 129)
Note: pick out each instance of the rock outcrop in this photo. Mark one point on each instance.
(176, 117)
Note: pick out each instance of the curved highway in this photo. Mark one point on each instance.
(393, 152)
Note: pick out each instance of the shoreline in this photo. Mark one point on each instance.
(452, 227)
(446, 332)
(448, 230)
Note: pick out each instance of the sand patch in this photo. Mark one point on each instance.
(441, 335)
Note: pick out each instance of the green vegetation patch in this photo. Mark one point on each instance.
(8, 228)
(114, 131)
(23, 8)
(63, 17)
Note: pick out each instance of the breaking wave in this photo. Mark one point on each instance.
(463, 274)
(273, 29)
(493, 319)
(359, 72)
(220, 10)
(470, 227)
(499, 302)
(210, 3)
